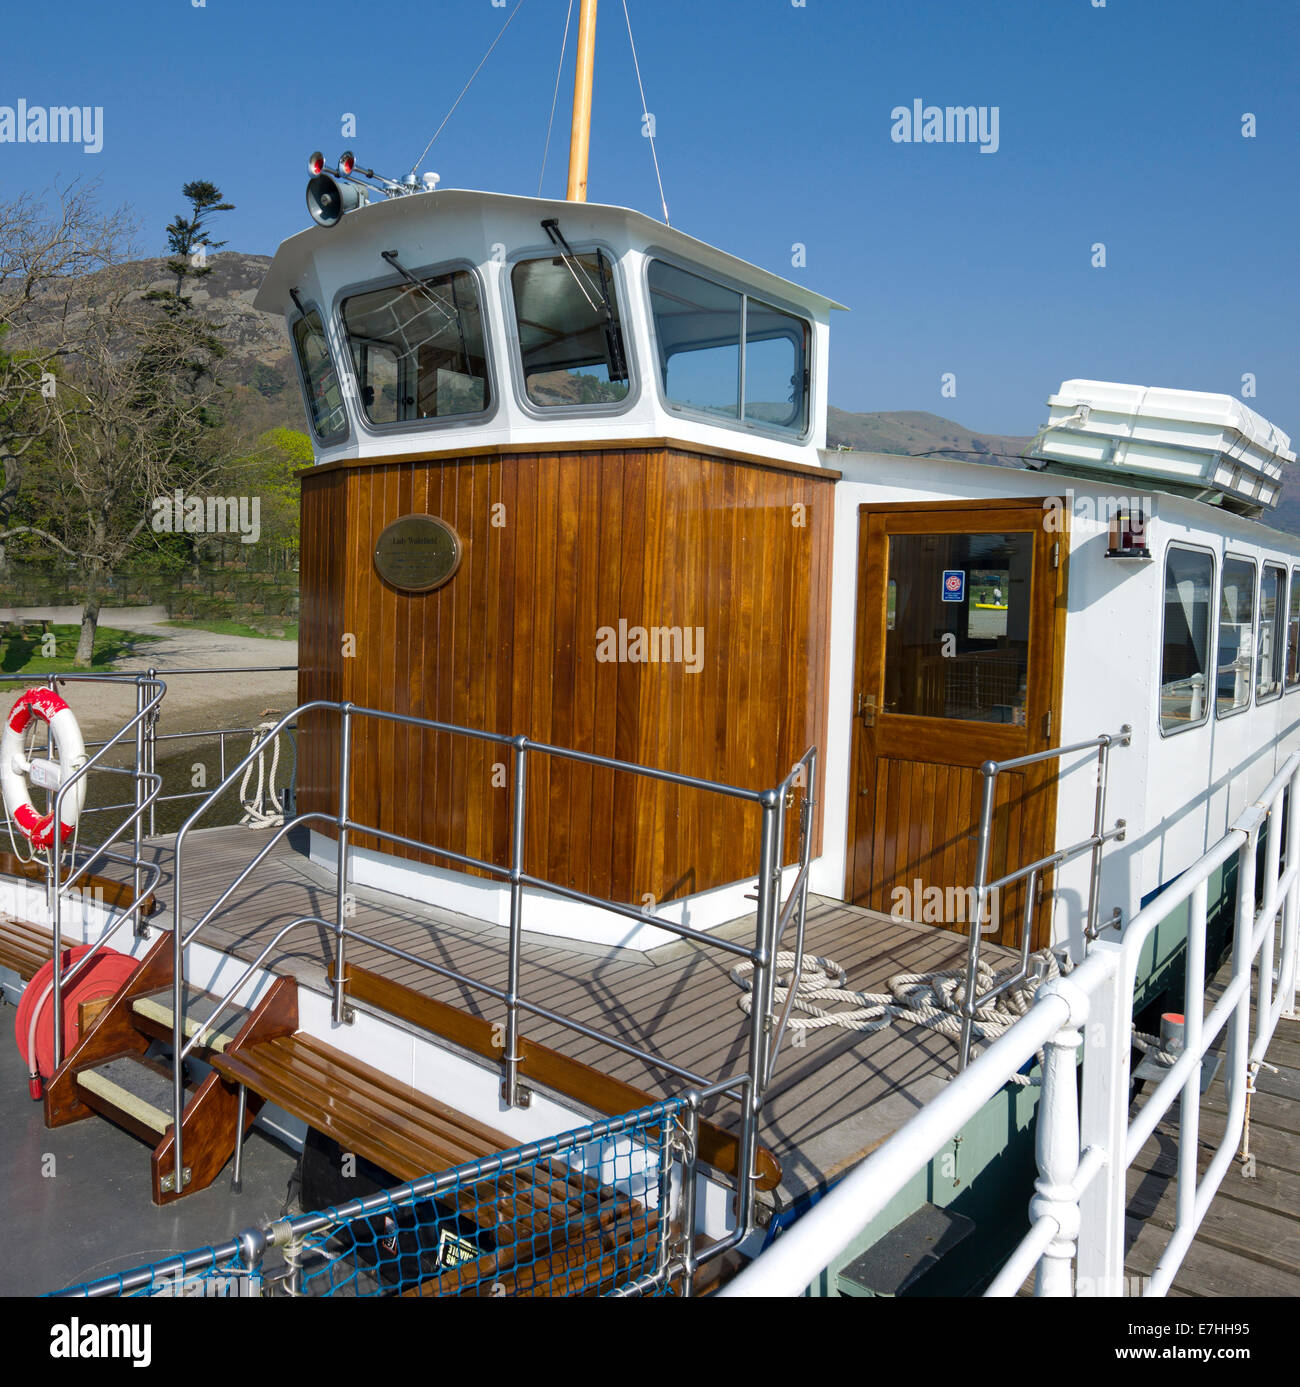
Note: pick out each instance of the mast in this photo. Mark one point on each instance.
(584, 77)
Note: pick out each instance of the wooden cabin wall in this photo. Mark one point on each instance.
(556, 546)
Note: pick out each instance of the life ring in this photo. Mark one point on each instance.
(15, 767)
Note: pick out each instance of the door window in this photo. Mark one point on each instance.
(957, 634)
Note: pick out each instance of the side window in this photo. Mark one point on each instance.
(725, 353)
(570, 331)
(1272, 633)
(418, 349)
(324, 399)
(1236, 656)
(1293, 633)
(1184, 660)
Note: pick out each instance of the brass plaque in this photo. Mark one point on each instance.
(417, 553)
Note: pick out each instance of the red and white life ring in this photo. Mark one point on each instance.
(15, 768)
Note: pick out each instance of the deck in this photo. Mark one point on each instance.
(1249, 1242)
(833, 1099)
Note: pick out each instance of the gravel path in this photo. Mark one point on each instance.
(193, 701)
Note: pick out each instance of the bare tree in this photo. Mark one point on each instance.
(48, 243)
(131, 422)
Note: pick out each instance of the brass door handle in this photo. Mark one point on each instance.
(867, 709)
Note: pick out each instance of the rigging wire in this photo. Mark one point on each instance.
(559, 73)
(645, 111)
(415, 166)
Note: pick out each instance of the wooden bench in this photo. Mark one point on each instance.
(571, 1078)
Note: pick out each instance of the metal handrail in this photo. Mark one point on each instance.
(1086, 1146)
(747, 1088)
(984, 888)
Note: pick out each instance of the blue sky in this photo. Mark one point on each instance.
(1119, 124)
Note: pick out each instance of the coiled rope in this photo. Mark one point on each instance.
(932, 1000)
(256, 812)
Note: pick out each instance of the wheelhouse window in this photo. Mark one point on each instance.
(1293, 634)
(728, 354)
(320, 382)
(570, 331)
(418, 349)
(1185, 654)
(1271, 640)
(1235, 661)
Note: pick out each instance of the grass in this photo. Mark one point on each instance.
(20, 649)
(284, 631)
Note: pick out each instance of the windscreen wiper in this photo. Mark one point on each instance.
(615, 357)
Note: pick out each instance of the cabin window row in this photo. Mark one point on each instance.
(419, 350)
(1256, 647)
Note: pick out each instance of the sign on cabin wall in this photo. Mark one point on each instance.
(417, 553)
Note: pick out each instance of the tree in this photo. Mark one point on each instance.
(188, 238)
(48, 244)
(134, 417)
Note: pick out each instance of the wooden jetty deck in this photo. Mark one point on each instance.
(1249, 1241)
(835, 1097)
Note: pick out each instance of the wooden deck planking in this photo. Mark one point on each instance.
(678, 1001)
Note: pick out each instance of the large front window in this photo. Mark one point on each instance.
(570, 331)
(418, 350)
(725, 353)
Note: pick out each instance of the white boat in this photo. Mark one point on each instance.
(623, 702)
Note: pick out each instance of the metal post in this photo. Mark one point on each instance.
(989, 770)
(341, 868)
(1189, 1105)
(1266, 1014)
(152, 753)
(518, 846)
(1057, 1140)
(1288, 1002)
(759, 1015)
(237, 1180)
(137, 827)
(1098, 829)
(1103, 1122)
(690, 1151)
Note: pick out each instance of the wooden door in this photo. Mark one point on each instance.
(959, 653)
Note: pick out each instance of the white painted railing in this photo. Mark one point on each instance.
(1086, 1145)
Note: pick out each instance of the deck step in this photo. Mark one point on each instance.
(153, 1013)
(130, 1092)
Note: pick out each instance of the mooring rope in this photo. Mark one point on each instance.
(931, 1000)
(256, 815)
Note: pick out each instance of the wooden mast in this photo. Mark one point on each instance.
(584, 77)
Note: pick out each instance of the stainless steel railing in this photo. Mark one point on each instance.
(986, 890)
(149, 693)
(773, 917)
(150, 690)
(1087, 1135)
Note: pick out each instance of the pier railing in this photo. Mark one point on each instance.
(779, 912)
(1086, 1144)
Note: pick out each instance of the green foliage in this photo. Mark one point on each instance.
(20, 649)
